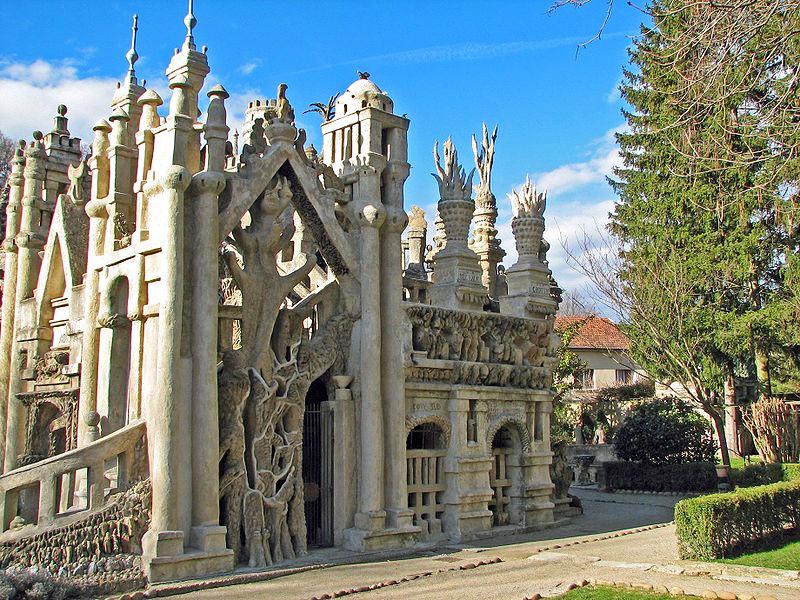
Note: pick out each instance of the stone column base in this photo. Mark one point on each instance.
(166, 559)
(400, 518)
(362, 540)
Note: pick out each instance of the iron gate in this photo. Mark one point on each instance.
(318, 467)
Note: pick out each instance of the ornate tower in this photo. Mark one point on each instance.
(529, 280)
(484, 235)
(456, 272)
(366, 144)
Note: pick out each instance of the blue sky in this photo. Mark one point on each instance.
(448, 65)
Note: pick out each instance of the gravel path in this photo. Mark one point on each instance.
(620, 538)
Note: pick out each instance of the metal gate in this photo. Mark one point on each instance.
(318, 466)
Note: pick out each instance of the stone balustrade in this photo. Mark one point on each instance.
(45, 492)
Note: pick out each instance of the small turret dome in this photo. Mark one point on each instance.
(363, 93)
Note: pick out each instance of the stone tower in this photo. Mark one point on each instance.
(366, 144)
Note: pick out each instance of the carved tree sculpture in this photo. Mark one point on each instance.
(263, 383)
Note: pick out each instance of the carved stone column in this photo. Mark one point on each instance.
(371, 516)
(392, 375)
(207, 185)
(96, 209)
(169, 427)
(529, 280)
(344, 432)
(7, 328)
(484, 241)
(29, 242)
(456, 272)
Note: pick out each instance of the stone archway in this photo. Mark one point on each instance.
(505, 478)
(426, 450)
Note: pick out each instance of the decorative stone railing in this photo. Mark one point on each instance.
(46, 493)
(479, 348)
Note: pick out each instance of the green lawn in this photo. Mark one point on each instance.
(606, 593)
(785, 554)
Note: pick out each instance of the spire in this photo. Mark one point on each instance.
(132, 56)
(190, 22)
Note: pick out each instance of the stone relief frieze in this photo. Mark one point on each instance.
(487, 348)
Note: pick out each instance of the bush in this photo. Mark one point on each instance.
(688, 477)
(665, 431)
(764, 474)
(791, 471)
(757, 474)
(718, 525)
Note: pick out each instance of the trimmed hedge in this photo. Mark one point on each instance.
(686, 477)
(719, 525)
(764, 474)
(791, 471)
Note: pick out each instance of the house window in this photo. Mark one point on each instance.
(584, 380)
(624, 376)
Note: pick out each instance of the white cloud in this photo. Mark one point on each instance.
(31, 93)
(614, 94)
(248, 68)
(567, 227)
(597, 168)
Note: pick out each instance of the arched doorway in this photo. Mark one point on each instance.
(426, 448)
(504, 477)
(318, 466)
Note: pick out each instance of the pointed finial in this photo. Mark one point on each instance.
(132, 56)
(190, 22)
(236, 142)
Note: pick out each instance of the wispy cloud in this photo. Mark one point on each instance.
(467, 51)
(614, 94)
(248, 67)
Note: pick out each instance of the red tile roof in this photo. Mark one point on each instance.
(595, 333)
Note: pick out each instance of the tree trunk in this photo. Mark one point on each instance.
(719, 429)
(762, 369)
(731, 411)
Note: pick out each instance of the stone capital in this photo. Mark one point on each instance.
(175, 178)
(396, 219)
(27, 239)
(96, 209)
(9, 245)
(372, 215)
(206, 182)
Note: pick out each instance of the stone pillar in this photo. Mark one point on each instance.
(206, 187)
(416, 234)
(96, 209)
(168, 428)
(371, 516)
(344, 458)
(29, 243)
(7, 328)
(393, 326)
